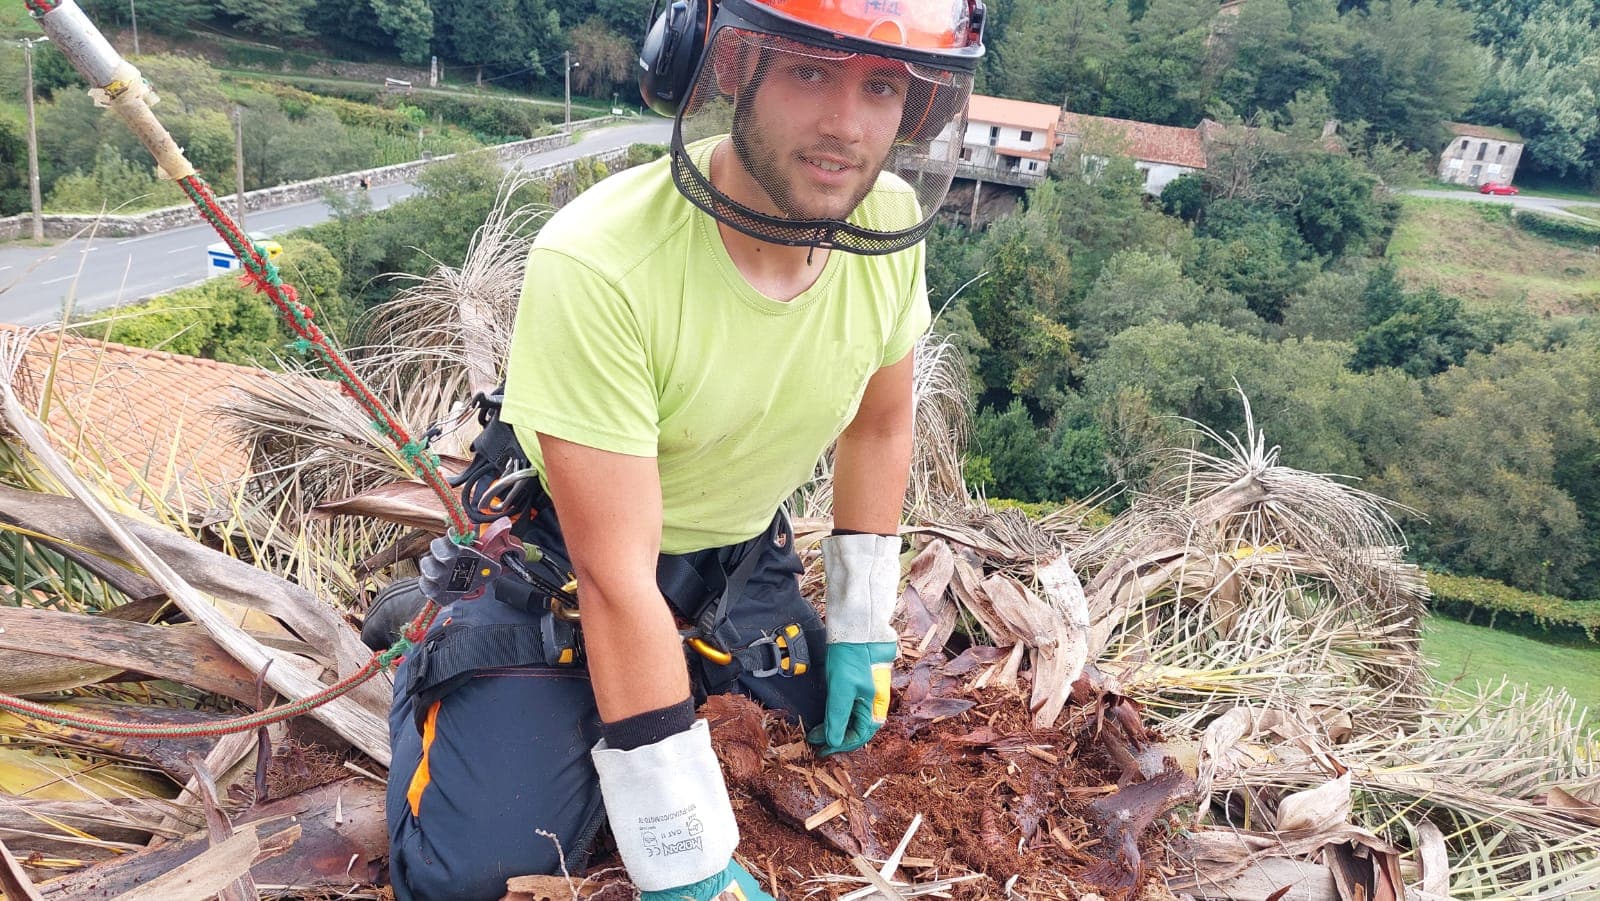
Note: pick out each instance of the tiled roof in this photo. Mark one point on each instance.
(1040, 117)
(147, 416)
(1146, 143)
(1487, 132)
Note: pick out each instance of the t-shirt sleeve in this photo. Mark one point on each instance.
(915, 315)
(578, 368)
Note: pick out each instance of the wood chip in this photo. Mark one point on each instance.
(833, 784)
(792, 751)
(825, 814)
(1040, 753)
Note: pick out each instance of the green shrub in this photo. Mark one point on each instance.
(1466, 596)
(1560, 228)
(221, 319)
(639, 154)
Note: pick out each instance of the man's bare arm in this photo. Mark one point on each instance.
(872, 459)
(610, 510)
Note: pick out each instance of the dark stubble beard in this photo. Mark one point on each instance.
(761, 162)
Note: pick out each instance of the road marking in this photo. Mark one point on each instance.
(183, 249)
(4, 268)
(273, 230)
(61, 279)
(151, 235)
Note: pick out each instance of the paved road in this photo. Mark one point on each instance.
(106, 272)
(1521, 202)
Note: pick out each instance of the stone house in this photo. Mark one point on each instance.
(1480, 154)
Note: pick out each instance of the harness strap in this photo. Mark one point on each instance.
(452, 655)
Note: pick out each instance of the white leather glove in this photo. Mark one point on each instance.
(669, 809)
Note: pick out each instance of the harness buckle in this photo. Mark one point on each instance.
(782, 653)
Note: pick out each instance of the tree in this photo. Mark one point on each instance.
(1100, 209)
(1493, 470)
(1426, 333)
(1545, 83)
(1328, 307)
(1161, 76)
(13, 170)
(506, 35)
(1410, 68)
(1009, 454)
(112, 185)
(1191, 371)
(1185, 197)
(1136, 287)
(608, 59)
(276, 20)
(1274, 50)
(1020, 306)
(1058, 51)
(1332, 201)
(1251, 252)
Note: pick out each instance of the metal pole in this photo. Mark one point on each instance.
(238, 161)
(33, 143)
(134, 15)
(566, 72)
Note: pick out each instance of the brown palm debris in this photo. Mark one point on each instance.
(998, 797)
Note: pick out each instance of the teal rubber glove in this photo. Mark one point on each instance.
(732, 884)
(857, 680)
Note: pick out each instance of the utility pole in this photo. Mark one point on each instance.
(567, 65)
(133, 14)
(33, 139)
(238, 161)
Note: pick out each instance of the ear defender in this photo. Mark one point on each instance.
(671, 53)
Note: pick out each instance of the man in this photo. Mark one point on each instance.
(690, 340)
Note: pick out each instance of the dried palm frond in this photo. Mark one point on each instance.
(1480, 766)
(447, 335)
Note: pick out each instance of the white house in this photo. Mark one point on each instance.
(1006, 140)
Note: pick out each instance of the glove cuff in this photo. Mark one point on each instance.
(863, 573)
(669, 809)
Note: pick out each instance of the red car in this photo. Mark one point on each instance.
(1492, 188)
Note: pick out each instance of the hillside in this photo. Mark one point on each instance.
(1473, 251)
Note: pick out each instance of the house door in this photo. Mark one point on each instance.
(1472, 179)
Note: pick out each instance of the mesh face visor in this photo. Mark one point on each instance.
(822, 146)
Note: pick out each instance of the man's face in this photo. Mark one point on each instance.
(813, 133)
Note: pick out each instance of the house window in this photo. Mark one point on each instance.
(1482, 149)
(994, 135)
(1463, 145)
(1027, 135)
(1500, 154)
(966, 153)
(1033, 165)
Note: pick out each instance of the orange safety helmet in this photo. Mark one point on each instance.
(942, 34)
(891, 186)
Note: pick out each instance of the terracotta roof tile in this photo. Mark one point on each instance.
(1146, 142)
(150, 417)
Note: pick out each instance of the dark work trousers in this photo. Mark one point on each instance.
(491, 744)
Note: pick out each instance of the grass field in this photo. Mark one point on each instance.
(1472, 251)
(1473, 654)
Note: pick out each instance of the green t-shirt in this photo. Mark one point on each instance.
(636, 334)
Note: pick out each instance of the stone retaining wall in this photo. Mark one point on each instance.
(65, 225)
